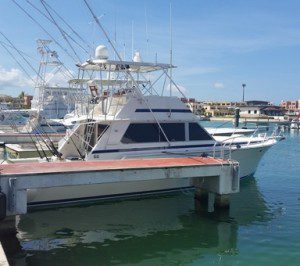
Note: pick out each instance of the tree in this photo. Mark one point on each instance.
(21, 95)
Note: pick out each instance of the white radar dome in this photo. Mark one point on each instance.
(101, 52)
(137, 57)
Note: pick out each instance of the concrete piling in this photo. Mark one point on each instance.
(209, 201)
(236, 117)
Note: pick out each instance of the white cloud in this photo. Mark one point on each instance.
(59, 79)
(218, 85)
(193, 71)
(175, 90)
(13, 78)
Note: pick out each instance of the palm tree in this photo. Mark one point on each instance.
(21, 95)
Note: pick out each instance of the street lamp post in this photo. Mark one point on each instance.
(243, 85)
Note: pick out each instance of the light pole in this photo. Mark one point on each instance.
(244, 86)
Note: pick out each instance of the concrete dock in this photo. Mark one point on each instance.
(213, 175)
(214, 180)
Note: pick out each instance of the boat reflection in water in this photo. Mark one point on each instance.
(149, 230)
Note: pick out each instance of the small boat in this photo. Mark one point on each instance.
(229, 131)
(295, 123)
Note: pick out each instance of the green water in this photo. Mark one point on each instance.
(261, 228)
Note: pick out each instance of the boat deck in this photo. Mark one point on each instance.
(83, 166)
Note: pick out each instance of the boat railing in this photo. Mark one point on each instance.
(226, 146)
(276, 134)
(228, 143)
(253, 135)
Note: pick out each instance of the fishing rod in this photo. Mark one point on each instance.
(60, 30)
(126, 71)
(47, 32)
(38, 140)
(52, 147)
(35, 143)
(14, 47)
(49, 19)
(68, 25)
(29, 56)
(16, 60)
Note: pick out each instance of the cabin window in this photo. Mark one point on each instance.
(196, 132)
(101, 129)
(142, 132)
(150, 132)
(174, 131)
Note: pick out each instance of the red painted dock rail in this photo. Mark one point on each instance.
(82, 166)
(34, 183)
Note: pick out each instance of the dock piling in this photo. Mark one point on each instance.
(236, 117)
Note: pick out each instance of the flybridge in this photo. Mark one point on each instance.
(116, 66)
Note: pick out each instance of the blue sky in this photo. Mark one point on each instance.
(218, 45)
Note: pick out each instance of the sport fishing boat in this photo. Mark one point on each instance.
(49, 105)
(8, 116)
(132, 120)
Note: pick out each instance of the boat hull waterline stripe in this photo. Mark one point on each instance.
(116, 196)
(163, 110)
(111, 196)
(167, 148)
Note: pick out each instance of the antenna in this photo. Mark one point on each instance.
(171, 49)
(93, 23)
(146, 28)
(132, 50)
(115, 21)
(124, 51)
(127, 71)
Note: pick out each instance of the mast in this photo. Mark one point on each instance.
(171, 49)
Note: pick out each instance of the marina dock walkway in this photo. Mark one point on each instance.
(216, 176)
(83, 166)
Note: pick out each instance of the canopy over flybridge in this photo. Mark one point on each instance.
(117, 66)
(104, 82)
(101, 62)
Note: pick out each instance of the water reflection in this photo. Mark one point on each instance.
(294, 132)
(158, 230)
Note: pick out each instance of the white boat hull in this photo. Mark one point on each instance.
(15, 138)
(247, 157)
(295, 125)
